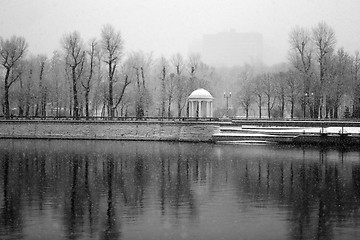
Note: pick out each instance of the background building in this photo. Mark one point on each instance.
(231, 48)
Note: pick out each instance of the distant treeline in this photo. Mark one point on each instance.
(97, 78)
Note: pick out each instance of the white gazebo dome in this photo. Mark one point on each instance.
(200, 103)
(200, 94)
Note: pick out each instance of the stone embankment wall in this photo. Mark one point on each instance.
(109, 130)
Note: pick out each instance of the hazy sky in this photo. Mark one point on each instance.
(170, 26)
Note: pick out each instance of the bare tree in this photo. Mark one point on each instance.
(280, 91)
(293, 89)
(178, 63)
(170, 91)
(74, 58)
(301, 57)
(337, 80)
(324, 41)
(139, 95)
(21, 90)
(42, 88)
(99, 96)
(18, 87)
(164, 65)
(112, 46)
(57, 79)
(193, 62)
(11, 52)
(126, 75)
(204, 76)
(258, 90)
(86, 84)
(28, 84)
(141, 63)
(245, 94)
(355, 76)
(269, 91)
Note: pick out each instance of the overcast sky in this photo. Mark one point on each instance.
(165, 27)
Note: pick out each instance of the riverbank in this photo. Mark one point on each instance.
(109, 130)
(185, 131)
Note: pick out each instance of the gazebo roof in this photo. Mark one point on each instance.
(200, 94)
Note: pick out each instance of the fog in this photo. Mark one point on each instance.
(165, 27)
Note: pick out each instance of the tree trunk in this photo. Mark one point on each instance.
(6, 103)
(327, 107)
(43, 104)
(260, 103)
(6, 95)
(139, 99)
(282, 106)
(169, 107)
(87, 104)
(179, 91)
(303, 107)
(103, 109)
(268, 107)
(322, 80)
(41, 91)
(70, 99)
(356, 102)
(179, 108)
(163, 92)
(27, 104)
(21, 99)
(336, 109)
(76, 104)
(316, 106)
(110, 103)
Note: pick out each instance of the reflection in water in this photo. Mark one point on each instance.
(152, 190)
(111, 228)
(10, 215)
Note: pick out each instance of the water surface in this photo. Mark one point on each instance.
(158, 190)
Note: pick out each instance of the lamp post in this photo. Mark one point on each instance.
(227, 96)
(308, 100)
(306, 95)
(311, 104)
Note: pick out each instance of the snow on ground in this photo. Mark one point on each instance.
(350, 130)
(297, 130)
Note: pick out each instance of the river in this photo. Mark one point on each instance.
(55, 189)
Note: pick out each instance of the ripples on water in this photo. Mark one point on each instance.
(156, 190)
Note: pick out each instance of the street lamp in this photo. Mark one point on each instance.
(311, 104)
(227, 96)
(305, 103)
(308, 99)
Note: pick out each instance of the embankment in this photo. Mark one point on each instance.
(109, 130)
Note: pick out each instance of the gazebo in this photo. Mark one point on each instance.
(200, 103)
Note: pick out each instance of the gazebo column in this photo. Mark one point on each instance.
(200, 113)
(207, 109)
(192, 108)
(211, 109)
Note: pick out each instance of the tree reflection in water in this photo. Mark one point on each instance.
(111, 224)
(11, 223)
(114, 190)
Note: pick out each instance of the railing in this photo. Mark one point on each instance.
(128, 118)
(347, 122)
(235, 121)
